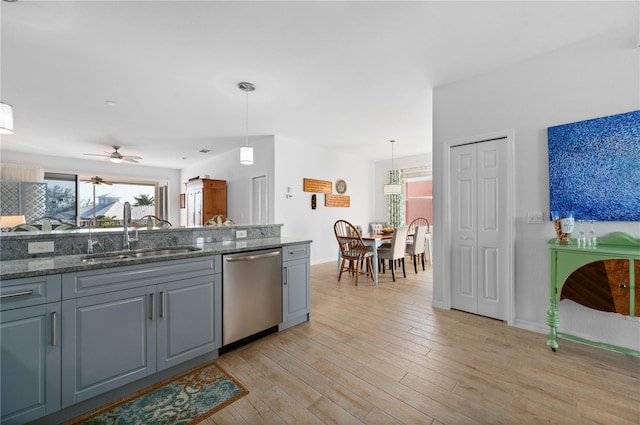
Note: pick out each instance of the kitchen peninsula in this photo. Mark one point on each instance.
(87, 329)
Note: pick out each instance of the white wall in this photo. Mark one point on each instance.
(296, 161)
(594, 78)
(106, 170)
(226, 166)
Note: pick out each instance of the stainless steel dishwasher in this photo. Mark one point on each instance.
(251, 293)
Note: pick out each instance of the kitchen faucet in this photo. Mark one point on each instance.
(126, 223)
(91, 242)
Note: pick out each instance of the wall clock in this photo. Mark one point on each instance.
(341, 186)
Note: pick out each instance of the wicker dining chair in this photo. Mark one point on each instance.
(353, 250)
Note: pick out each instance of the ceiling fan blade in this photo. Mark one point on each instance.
(130, 159)
(138, 158)
(96, 154)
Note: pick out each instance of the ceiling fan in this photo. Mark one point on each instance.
(97, 181)
(117, 157)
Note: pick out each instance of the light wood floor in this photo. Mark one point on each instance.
(382, 355)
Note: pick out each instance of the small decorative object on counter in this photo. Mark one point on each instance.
(593, 239)
(219, 220)
(46, 225)
(563, 222)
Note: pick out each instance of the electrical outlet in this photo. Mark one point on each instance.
(40, 247)
(241, 234)
(534, 217)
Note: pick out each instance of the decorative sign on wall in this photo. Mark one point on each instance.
(337, 200)
(317, 186)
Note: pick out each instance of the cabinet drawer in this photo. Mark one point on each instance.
(94, 282)
(293, 252)
(16, 293)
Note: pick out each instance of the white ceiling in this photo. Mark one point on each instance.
(346, 75)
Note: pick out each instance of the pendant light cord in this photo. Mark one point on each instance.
(246, 117)
(392, 143)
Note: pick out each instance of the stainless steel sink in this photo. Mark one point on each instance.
(164, 251)
(138, 253)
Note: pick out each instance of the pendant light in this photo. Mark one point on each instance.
(246, 151)
(6, 118)
(392, 188)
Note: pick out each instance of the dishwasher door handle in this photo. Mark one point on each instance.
(252, 257)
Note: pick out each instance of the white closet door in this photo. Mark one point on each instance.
(464, 211)
(493, 235)
(480, 269)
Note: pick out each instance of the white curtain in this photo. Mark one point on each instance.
(22, 173)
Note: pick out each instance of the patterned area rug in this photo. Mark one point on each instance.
(185, 399)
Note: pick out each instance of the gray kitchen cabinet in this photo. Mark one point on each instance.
(187, 321)
(109, 341)
(30, 344)
(296, 285)
(125, 323)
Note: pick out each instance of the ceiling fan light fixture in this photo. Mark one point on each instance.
(246, 151)
(115, 160)
(6, 118)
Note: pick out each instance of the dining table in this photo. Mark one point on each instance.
(374, 240)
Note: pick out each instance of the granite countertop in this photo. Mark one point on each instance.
(13, 269)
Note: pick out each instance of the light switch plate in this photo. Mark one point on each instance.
(534, 217)
(40, 247)
(241, 234)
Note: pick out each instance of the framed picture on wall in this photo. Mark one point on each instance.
(182, 205)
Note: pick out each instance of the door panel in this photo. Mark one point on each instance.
(467, 271)
(463, 228)
(493, 234)
(490, 278)
(259, 200)
(489, 194)
(29, 363)
(186, 319)
(480, 228)
(107, 340)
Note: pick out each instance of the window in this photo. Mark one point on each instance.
(103, 203)
(61, 196)
(418, 194)
(71, 198)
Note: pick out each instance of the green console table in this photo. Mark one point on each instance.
(605, 278)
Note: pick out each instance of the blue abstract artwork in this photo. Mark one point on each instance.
(594, 168)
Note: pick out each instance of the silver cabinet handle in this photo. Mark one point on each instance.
(152, 299)
(622, 286)
(17, 294)
(252, 257)
(300, 251)
(162, 300)
(54, 317)
(286, 275)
